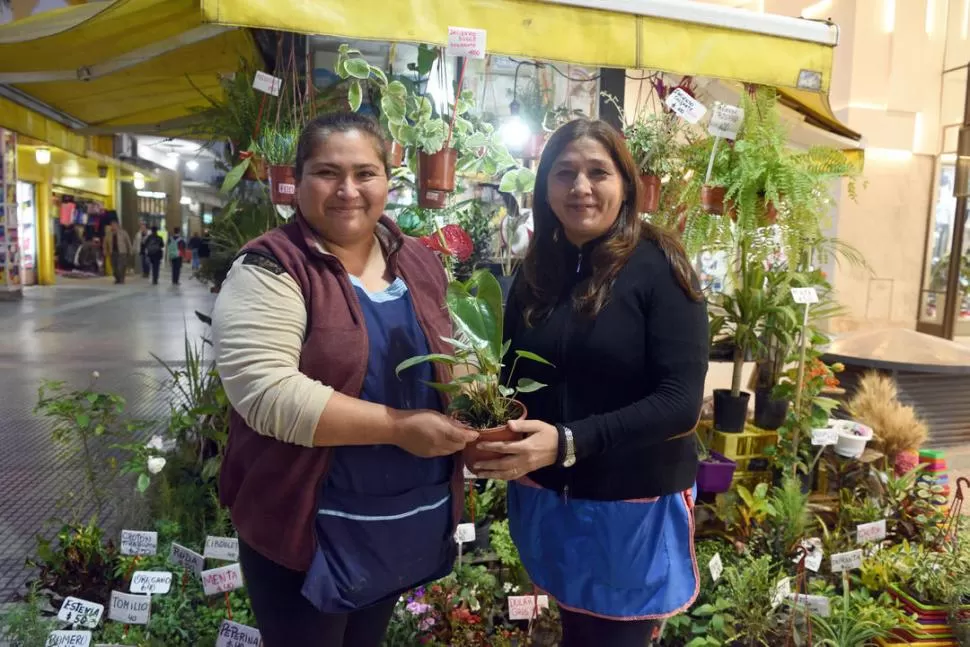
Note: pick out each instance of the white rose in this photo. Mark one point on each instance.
(155, 443)
(155, 464)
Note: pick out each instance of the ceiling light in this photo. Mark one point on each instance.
(43, 155)
(515, 133)
(139, 181)
(192, 165)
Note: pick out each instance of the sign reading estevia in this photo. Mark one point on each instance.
(81, 613)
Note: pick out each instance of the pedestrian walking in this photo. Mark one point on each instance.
(117, 247)
(140, 238)
(154, 248)
(176, 252)
(194, 242)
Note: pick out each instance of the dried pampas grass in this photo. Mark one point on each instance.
(897, 427)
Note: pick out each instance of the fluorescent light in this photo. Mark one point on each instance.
(139, 181)
(43, 156)
(151, 194)
(889, 154)
(930, 15)
(192, 165)
(817, 10)
(888, 16)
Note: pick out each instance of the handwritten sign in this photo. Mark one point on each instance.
(813, 553)
(822, 437)
(226, 548)
(267, 83)
(685, 106)
(725, 121)
(130, 609)
(817, 604)
(222, 580)
(804, 296)
(80, 613)
(846, 561)
(468, 43)
(868, 532)
(233, 634)
(716, 566)
(523, 607)
(781, 592)
(154, 582)
(68, 639)
(139, 542)
(464, 533)
(187, 559)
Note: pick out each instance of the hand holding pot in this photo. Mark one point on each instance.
(428, 434)
(539, 449)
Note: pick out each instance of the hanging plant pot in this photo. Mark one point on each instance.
(649, 194)
(770, 213)
(282, 184)
(397, 155)
(769, 414)
(715, 473)
(730, 413)
(436, 177)
(712, 199)
(257, 170)
(472, 454)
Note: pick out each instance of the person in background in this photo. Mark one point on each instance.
(140, 239)
(601, 504)
(154, 249)
(176, 254)
(194, 243)
(117, 247)
(204, 247)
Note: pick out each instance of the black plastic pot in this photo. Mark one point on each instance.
(769, 413)
(730, 413)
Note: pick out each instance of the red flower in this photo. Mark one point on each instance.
(457, 242)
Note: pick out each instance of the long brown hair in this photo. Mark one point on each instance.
(544, 269)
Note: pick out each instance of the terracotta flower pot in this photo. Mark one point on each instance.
(397, 155)
(473, 454)
(771, 213)
(712, 199)
(282, 184)
(436, 177)
(649, 194)
(257, 171)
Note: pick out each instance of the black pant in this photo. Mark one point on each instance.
(286, 618)
(176, 269)
(156, 263)
(581, 630)
(145, 265)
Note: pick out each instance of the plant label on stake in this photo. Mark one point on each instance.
(813, 553)
(685, 106)
(187, 559)
(823, 437)
(805, 296)
(469, 475)
(139, 542)
(222, 580)
(725, 121)
(868, 532)
(224, 548)
(817, 604)
(130, 609)
(68, 639)
(846, 561)
(267, 83)
(154, 582)
(233, 634)
(523, 607)
(782, 591)
(466, 43)
(465, 533)
(716, 566)
(80, 613)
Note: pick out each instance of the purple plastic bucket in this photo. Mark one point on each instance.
(715, 474)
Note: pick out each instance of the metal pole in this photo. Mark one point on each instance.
(798, 385)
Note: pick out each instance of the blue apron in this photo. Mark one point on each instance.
(620, 560)
(384, 520)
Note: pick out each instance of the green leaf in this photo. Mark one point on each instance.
(506, 391)
(92, 397)
(358, 68)
(420, 359)
(234, 176)
(143, 482)
(451, 389)
(525, 385)
(355, 96)
(379, 76)
(394, 109)
(524, 354)
(508, 182)
(525, 181)
(703, 611)
(83, 420)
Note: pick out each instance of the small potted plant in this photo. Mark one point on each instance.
(478, 397)
(778, 337)
(853, 437)
(278, 147)
(715, 472)
(655, 143)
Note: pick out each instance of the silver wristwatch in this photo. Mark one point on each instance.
(570, 458)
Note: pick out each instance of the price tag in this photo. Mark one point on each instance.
(822, 437)
(782, 591)
(154, 582)
(846, 561)
(467, 43)
(222, 580)
(716, 567)
(187, 559)
(523, 607)
(685, 106)
(267, 83)
(233, 634)
(68, 639)
(139, 542)
(725, 121)
(804, 296)
(867, 532)
(814, 553)
(817, 604)
(81, 613)
(465, 533)
(225, 548)
(130, 609)
(469, 475)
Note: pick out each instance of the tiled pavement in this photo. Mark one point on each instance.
(65, 333)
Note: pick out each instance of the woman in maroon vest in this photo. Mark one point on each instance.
(341, 478)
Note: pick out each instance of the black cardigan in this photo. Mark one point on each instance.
(626, 382)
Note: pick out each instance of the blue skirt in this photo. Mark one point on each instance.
(619, 560)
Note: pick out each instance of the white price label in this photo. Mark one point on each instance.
(716, 566)
(725, 121)
(130, 609)
(465, 533)
(804, 296)
(685, 106)
(868, 532)
(822, 437)
(222, 580)
(467, 43)
(139, 542)
(81, 613)
(154, 582)
(817, 604)
(523, 607)
(233, 634)
(225, 548)
(267, 83)
(68, 639)
(846, 561)
(187, 559)
(469, 475)
(813, 553)
(782, 591)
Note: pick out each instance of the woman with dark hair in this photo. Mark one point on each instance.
(601, 507)
(341, 479)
